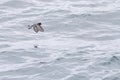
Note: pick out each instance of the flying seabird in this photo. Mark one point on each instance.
(36, 27)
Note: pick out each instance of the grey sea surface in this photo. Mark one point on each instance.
(81, 40)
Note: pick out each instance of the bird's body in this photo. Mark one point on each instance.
(36, 27)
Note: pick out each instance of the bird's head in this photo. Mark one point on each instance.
(39, 23)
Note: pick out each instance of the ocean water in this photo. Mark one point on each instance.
(81, 40)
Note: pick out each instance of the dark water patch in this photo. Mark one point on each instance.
(44, 62)
(105, 63)
(113, 60)
(78, 53)
(113, 77)
(86, 47)
(69, 60)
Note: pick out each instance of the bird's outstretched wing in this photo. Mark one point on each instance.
(35, 28)
(40, 28)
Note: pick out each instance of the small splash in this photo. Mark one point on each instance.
(35, 46)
